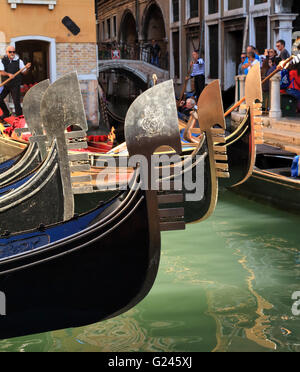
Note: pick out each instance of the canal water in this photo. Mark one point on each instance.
(225, 284)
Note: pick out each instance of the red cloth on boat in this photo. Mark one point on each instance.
(15, 122)
(97, 138)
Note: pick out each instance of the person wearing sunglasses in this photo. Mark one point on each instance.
(9, 65)
(241, 71)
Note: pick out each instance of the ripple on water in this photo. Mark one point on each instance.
(223, 285)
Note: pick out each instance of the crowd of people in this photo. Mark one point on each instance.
(290, 77)
(269, 61)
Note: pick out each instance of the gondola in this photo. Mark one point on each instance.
(196, 163)
(23, 201)
(210, 110)
(12, 152)
(25, 147)
(10, 160)
(26, 187)
(271, 181)
(240, 144)
(35, 152)
(94, 266)
(237, 149)
(195, 174)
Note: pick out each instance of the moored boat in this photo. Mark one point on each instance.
(92, 267)
(271, 181)
(194, 164)
(240, 144)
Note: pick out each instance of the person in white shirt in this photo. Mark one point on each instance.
(252, 60)
(9, 65)
(198, 73)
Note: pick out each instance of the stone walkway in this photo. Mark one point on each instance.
(283, 132)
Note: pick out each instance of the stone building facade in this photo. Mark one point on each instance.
(231, 25)
(132, 24)
(175, 25)
(219, 28)
(56, 36)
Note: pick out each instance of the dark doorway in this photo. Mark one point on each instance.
(233, 45)
(296, 10)
(261, 27)
(36, 52)
(214, 52)
(176, 56)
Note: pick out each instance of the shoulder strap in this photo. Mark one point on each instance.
(293, 83)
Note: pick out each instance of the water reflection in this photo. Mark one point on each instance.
(223, 285)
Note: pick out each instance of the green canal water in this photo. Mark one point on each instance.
(225, 284)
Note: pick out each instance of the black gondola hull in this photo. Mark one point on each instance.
(24, 207)
(86, 280)
(271, 181)
(240, 153)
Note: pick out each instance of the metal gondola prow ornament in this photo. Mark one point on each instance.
(211, 120)
(151, 124)
(66, 93)
(253, 98)
(151, 121)
(253, 89)
(32, 114)
(62, 106)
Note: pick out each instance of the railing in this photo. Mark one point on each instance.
(137, 53)
(273, 104)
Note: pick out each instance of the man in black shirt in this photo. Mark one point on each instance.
(9, 65)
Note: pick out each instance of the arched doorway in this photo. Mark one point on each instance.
(154, 29)
(128, 34)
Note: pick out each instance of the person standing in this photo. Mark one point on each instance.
(283, 53)
(251, 61)
(198, 73)
(155, 53)
(240, 69)
(266, 85)
(9, 65)
(246, 64)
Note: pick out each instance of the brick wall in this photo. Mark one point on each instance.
(79, 57)
(83, 59)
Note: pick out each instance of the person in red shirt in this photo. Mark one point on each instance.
(294, 87)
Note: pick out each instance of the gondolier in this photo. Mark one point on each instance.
(198, 73)
(9, 65)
